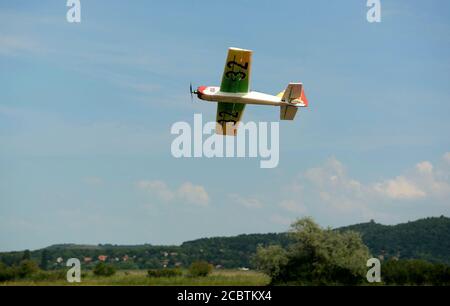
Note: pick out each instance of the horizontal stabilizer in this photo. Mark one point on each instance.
(287, 112)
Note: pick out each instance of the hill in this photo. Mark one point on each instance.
(427, 239)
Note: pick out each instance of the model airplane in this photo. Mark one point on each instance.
(233, 94)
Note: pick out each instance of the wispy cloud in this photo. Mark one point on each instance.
(187, 192)
(280, 220)
(329, 190)
(423, 181)
(293, 206)
(249, 202)
(16, 45)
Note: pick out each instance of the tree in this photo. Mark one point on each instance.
(6, 273)
(44, 259)
(271, 259)
(102, 269)
(317, 256)
(200, 268)
(414, 272)
(26, 268)
(26, 255)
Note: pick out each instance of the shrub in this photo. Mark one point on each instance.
(102, 269)
(414, 272)
(200, 269)
(271, 259)
(6, 273)
(164, 272)
(26, 268)
(317, 256)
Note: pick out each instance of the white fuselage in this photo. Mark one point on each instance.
(213, 93)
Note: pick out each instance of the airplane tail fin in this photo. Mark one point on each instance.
(295, 96)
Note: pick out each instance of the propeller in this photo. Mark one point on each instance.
(193, 92)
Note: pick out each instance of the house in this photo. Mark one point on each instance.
(87, 259)
(102, 257)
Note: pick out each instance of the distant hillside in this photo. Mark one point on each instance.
(232, 251)
(427, 239)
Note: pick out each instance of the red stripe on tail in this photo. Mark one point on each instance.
(303, 98)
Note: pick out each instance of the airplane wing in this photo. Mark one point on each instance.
(236, 75)
(235, 79)
(228, 118)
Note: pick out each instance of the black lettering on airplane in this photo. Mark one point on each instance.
(239, 75)
(231, 65)
(234, 115)
(236, 75)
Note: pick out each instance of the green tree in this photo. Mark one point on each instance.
(414, 272)
(26, 255)
(270, 259)
(200, 268)
(6, 273)
(317, 256)
(103, 269)
(44, 259)
(26, 268)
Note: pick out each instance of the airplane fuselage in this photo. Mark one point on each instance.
(213, 94)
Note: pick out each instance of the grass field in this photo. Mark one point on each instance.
(140, 278)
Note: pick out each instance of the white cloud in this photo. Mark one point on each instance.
(446, 157)
(332, 175)
(187, 192)
(399, 188)
(277, 219)
(293, 206)
(249, 202)
(194, 194)
(424, 167)
(425, 181)
(14, 45)
(331, 192)
(157, 188)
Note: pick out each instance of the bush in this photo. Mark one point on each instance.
(27, 268)
(200, 269)
(102, 269)
(414, 272)
(271, 259)
(164, 272)
(317, 256)
(6, 273)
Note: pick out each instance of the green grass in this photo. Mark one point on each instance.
(140, 278)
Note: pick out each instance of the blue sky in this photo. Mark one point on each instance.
(86, 111)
